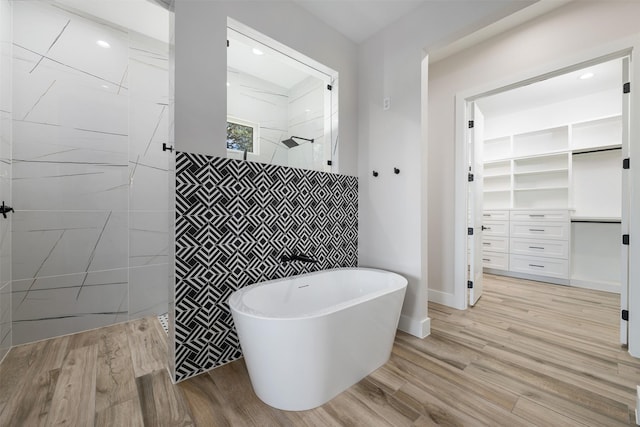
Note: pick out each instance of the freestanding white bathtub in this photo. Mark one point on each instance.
(307, 338)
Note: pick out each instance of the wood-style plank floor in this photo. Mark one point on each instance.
(527, 354)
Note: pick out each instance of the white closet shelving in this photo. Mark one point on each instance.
(541, 180)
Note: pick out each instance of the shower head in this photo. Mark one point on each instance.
(290, 143)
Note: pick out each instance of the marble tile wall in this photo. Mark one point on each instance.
(5, 175)
(266, 104)
(90, 231)
(306, 113)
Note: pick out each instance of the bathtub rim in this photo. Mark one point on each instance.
(237, 306)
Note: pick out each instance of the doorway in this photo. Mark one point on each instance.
(551, 180)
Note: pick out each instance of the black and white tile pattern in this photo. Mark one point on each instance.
(234, 220)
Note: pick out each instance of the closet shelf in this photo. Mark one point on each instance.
(542, 171)
(506, 190)
(498, 175)
(553, 187)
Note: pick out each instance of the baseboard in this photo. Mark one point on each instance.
(417, 328)
(596, 286)
(444, 298)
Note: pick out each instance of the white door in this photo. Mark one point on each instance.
(475, 145)
(624, 274)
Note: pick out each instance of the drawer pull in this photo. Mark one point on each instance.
(536, 215)
(536, 247)
(486, 243)
(537, 229)
(536, 265)
(486, 259)
(487, 215)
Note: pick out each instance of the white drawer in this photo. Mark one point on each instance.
(495, 244)
(540, 230)
(546, 248)
(552, 267)
(495, 260)
(550, 215)
(496, 228)
(495, 215)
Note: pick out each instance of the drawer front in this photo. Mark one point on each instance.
(550, 215)
(495, 215)
(545, 248)
(552, 267)
(495, 244)
(496, 228)
(496, 260)
(540, 230)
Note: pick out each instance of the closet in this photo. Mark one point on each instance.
(552, 181)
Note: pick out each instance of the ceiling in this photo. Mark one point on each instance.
(606, 76)
(359, 19)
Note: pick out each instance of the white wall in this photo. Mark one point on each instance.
(392, 207)
(575, 110)
(200, 67)
(555, 38)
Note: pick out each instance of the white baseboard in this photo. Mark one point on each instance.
(596, 286)
(417, 327)
(444, 298)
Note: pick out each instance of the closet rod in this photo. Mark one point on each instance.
(594, 221)
(597, 151)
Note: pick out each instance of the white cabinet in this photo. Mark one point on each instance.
(533, 243)
(540, 230)
(495, 241)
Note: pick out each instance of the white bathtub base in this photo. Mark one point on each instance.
(302, 363)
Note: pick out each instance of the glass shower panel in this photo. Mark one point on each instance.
(89, 118)
(5, 177)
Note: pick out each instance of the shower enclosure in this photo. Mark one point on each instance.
(86, 173)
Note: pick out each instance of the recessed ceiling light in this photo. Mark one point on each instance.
(586, 76)
(257, 51)
(228, 84)
(104, 86)
(308, 110)
(103, 44)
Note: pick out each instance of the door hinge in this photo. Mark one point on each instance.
(329, 87)
(470, 124)
(166, 147)
(227, 43)
(469, 284)
(470, 231)
(626, 163)
(470, 177)
(626, 88)
(625, 314)
(625, 239)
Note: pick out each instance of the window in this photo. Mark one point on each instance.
(242, 136)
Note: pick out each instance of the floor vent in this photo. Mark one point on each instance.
(164, 321)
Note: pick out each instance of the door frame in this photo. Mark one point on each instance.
(618, 49)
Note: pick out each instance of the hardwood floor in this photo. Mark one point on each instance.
(527, 354)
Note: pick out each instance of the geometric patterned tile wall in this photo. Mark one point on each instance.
(234, 219)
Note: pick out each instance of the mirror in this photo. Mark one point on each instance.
(281, 105)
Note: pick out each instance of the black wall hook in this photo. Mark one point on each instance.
(396, 171)
(375, 173)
